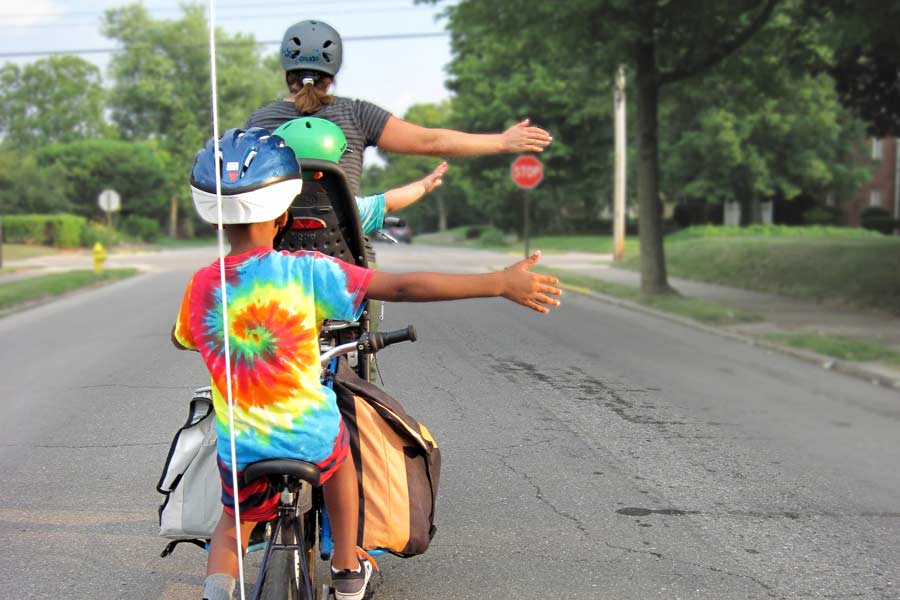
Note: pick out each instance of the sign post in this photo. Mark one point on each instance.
(526, 172)
(619, 177)
(109, 201)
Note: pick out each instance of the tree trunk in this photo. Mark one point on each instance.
(173, 217)
(653, 260)
(442, 213)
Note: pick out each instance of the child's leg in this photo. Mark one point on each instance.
(222, 563)
(223, 547)
(342, 501)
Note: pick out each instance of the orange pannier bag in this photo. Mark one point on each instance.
(398, 466)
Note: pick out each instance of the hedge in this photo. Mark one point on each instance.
(807, 231)
(61, 231)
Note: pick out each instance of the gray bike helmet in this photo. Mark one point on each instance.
(313, 46)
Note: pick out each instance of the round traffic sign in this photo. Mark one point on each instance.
(109, 200)
(526, 172)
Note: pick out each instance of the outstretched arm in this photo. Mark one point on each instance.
(405, 138)
(402, 197)
(516, 283)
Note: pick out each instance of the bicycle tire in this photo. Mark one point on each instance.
(278, 580)
(280, 577)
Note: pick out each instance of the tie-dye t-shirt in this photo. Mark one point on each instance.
(276, 304)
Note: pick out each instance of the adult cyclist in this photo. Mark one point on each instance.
(311, 55)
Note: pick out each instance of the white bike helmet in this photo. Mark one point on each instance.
(260, 177)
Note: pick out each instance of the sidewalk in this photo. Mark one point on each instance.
(779, 314)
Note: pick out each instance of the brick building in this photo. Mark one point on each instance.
(883, 190)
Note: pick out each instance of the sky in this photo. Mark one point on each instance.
(394, 74)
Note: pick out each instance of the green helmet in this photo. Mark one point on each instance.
(311, 137)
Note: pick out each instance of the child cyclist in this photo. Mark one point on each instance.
(276, 304)
(312, 137)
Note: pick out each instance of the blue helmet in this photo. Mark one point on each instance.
(260, 177)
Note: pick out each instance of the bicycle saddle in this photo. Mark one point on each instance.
(282, 467)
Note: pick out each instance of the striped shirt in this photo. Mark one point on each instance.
(362, 123)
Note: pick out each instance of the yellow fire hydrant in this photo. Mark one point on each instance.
(99, 257)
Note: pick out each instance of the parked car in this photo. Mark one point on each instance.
(401, 233)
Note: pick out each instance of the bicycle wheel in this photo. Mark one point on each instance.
(280, 579)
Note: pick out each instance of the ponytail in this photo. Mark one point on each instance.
(310, 91)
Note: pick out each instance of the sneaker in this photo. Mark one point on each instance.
(351, 585)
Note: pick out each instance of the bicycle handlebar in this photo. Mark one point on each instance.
(378, 340)
(370, 343)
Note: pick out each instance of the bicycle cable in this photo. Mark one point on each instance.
(225, 330)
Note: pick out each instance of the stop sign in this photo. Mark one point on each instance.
(527, 172)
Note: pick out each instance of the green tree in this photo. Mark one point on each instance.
(138, 171)
(56, 99)
(529, 68)
(760, 126)
(162, 85)
(31, 188)
(579, 44)
(866, 59)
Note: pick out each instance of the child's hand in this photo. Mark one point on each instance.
(533, 290)
(433, 180)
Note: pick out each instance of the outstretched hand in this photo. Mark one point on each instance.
(533, 290)
(433, 179)
(522, 137)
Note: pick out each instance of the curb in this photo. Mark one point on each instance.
(827, 363)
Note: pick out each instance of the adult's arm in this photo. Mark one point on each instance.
(406, 138)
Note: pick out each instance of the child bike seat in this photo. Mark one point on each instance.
(324, 216)
(283, 467)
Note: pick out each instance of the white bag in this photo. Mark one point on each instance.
(190, 478)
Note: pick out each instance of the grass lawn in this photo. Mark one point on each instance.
(704, 311)
(15, 293)
(837, 346)
(23, 251)
(601, 244)
(858, 271)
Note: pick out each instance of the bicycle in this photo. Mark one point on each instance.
(300, 531)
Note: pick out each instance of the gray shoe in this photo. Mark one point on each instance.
(351, 585)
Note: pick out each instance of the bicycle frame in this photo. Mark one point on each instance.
(294, 504)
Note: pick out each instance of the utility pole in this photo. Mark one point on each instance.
(897, 179)
(619, 186)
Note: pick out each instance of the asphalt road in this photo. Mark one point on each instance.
(591, 453)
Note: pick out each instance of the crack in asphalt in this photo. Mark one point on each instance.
(539, 493)
(457, 408)
(633, 550)
(659, 555)
(769, 590)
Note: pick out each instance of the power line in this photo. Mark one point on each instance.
(219, 19)
(168, 8)
(352, 38)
